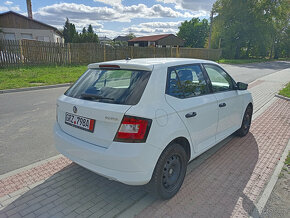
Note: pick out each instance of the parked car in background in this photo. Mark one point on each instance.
(141, 121)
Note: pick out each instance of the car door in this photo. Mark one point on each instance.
(189, 94)
(229, 102)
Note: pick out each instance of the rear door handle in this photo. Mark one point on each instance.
(222, 104)
(192, 114)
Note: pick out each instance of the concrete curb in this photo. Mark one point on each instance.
(270, 186)
(282, 97)
(14, 172)
(34, 88)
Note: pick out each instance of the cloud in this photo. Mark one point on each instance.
(153, 28)
(193, 5)
(117, 13)
(4, 8)
(15, 8)
(9, 7)
(82, 15)
(8, 3)
(110, 2)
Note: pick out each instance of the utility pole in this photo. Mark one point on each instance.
(29, 8)
(210, 29)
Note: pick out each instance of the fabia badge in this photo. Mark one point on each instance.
(75, 110)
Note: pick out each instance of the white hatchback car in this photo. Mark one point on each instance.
(142, 120)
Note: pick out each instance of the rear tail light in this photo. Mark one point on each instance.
(133, 129)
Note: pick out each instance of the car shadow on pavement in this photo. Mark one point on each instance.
(214, 184)
(72, 191)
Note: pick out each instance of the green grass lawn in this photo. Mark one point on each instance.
(286, 91)
(287, 161)
(241, 61)
(39, 76)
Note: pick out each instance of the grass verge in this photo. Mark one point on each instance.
(286, 91)
(242, 61)
(39, 76)
(287, 161)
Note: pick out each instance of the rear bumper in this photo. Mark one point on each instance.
(129, 163)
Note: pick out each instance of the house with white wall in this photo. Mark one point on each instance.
(15, 26)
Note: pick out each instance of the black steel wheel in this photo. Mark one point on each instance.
(169, 172)
(246, 124)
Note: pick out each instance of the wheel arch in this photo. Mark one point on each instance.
(251, 105)
(184, 143)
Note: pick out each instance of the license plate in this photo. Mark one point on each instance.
(83, 123)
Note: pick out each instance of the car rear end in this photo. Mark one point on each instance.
(94, 130)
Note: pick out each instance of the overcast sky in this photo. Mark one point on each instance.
(115, 17)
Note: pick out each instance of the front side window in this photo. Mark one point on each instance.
(220, 80)
(110, 86)
(186, 81)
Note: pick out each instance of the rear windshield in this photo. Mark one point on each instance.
(113, 86)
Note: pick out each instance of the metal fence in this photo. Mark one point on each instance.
(29, 53)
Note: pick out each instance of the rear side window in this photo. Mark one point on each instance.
(113, 86)
(186, 81)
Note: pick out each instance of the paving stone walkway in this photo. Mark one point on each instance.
(229, 182)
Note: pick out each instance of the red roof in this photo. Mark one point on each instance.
(149, 38)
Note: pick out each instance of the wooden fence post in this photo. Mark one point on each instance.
(131, 50)
(177, 51)
(69, 54)
(21, 52)
(104, 52)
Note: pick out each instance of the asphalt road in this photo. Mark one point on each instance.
(27, 118)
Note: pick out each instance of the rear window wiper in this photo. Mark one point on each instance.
(95, 97)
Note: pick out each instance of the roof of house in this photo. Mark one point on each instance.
(31, 20)
(122, 38)
(104, 39)
(152, 38)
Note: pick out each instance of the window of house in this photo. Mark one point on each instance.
(40, 38)
(9, 36)
(26, 36)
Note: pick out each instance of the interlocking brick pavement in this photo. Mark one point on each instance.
(230, 182)
(31, 176)
(68, 190)
(264, 89)
(255, 83)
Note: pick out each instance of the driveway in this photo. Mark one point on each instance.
(27, 118)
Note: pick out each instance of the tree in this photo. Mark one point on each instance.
(72, 36)
(88, 35)
(69, 32)
(250, 28)
(131, 36)
(90, 29)
(194, 32)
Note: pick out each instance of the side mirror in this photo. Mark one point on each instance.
(242, 86)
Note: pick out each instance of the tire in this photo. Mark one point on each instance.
(246, 124)
(169, 172)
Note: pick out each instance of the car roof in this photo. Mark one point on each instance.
(150, 63)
